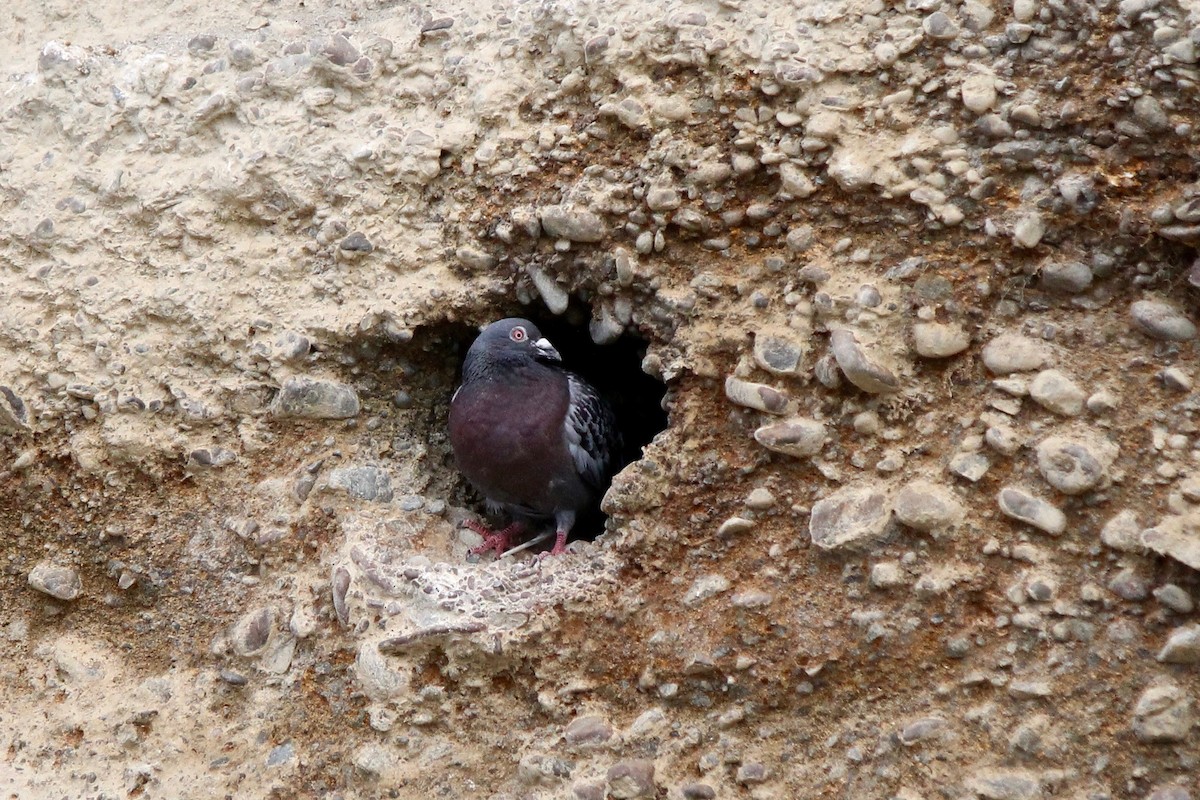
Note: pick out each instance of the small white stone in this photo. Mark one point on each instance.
(1123, 533)
(1029, 230)
(1102, 402)
(1056, 392)
(939, 340)
(887, 574)
(57, 581)
(760, 499)
(1163, 714)
(979, 93)
(704, 587)
(1182, 647)
(1021, 505)
(858, 366)
(1012, 352)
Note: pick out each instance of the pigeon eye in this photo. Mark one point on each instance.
(518, 334)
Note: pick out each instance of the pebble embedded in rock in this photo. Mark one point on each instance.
(814, 274)
(752, 773)
(1129, 585)
(1074, 466)
(827, 373)
(795, 182)
(1025, 507)
(604, 328)
(1174, 537)
(474, 258)
(662, 198)
(751, 598)
(291, 346)
(1056, 392)
(201, 43)
(1102, 402)
(970, 466)
(734, 526)
(776, 353)
(1079, 191)
(1011, 352)
(1067, 277)
(704, 587)
(631, 778)
(309, 398)
(939, 340)
(336, 48)
(698, 791)
(760, 499)
(927, 506)
(921, 729)
(1163, 714)
(57, 581)
(797, 436)
(958, 647)
(1182, 647)
(1175, 597)
(1161, 321)
(232, 677)
(857, 365)
(588, 730)
(1029, 230)
(572, 222)
(1149, 112)
(758, 396)
(1176, 379)
(249, 635)
(1188, 211)
(1123, 533)
(851, 518)
(939, 26)
(1003, 439)
(887, 574)
(800, 238)
(357, 243)
(556, 297)
(979, 93)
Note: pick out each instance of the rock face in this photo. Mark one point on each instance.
(916, 278)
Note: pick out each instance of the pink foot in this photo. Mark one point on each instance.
(560, 545)
(496, 541)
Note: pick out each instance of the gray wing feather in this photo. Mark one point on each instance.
(591, 433)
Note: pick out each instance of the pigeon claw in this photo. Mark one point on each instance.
(495, 541)
(560, 545)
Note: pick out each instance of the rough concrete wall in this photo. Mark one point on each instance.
(917, 276)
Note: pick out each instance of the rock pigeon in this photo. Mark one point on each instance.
(538, 442)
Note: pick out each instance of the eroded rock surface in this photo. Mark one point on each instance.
(920, 280)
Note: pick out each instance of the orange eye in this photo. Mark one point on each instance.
(518, 334)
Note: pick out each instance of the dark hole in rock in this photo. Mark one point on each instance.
(614, 369)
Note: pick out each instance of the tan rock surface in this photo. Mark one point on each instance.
(243, 247)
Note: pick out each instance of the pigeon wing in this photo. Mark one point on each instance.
(591, 433)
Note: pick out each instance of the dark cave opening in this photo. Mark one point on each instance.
(615, 369)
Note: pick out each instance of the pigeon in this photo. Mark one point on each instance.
(537, 441)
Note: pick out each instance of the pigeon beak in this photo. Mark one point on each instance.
(546, 350)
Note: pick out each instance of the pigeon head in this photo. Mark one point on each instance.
(506, 343)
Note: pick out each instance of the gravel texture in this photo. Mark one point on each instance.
(920, 279)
